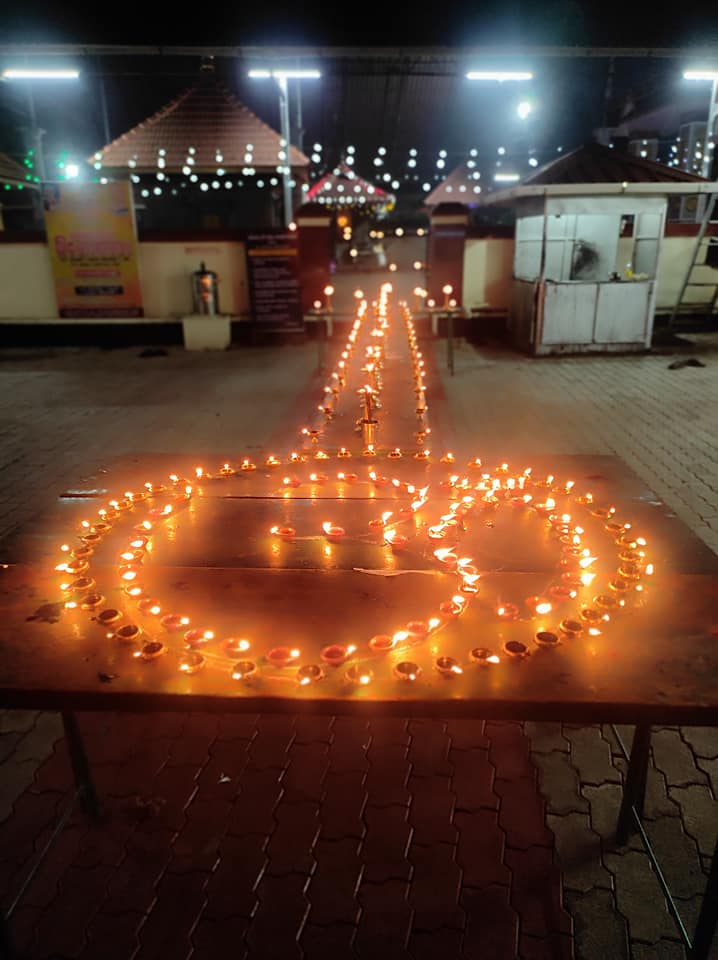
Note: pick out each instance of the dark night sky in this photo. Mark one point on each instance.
(569, 93)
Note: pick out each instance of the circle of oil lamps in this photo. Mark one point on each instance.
(128, 633)
(515, 649)
(358, 675)
(191, 662)
(448, 667)
(407, 670)
(244, 670)
(152, 649)
(110, 615)
(546, 638)
(309, 673)
(483, 656)
(91, 601)
(571, 628)
(174, 622)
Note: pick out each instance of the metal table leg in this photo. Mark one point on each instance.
(80, 767)
(634, 790)
(7, 948)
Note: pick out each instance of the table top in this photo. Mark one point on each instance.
(214, 561)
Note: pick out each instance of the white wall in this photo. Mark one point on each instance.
(27, 290)
(488, 265)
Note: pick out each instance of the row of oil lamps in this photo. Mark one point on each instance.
(469, 494)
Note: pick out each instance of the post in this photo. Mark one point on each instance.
(450, 340)
(710, 131)
(286, 136)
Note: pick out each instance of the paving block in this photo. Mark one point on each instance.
(305, 774)
(546, 737)
(237, 726)
(439, 942)
(522, 814)
(231, 888)
(213, 938)
(385, 922)
(342, 809)
(112, 937)
(432, 807)
(467, 734)
(196, 846)
(221, 776)
(290, 848)
(332, 891)
(492, 926)
(171, 792)
(553, 947)
(61, 928)
(710, 768)
(559, 783)
(387, 776)
(677, 855)
(604, 804)
(675, 759)
(509, 751)
(662, 950)
(429, 748)
(473, 779)
(351, 738)
(270, 747)
(699, 813)
(536, 892)
(386, 843)
(389, 732)
(638, 896)
(8, 742)
(313, 728)
(591, 755)
(18, 721)
(280, 917)
(703, 741)
(131, 888)
(435, 887)
(253, 810)
(600, 932)
(578, 849)
(166, 931)
(480, 849)
(327, 943)
(657, 802)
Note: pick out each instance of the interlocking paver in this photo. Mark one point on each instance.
(473, 779)
(385, 921)
(429, 748)
(559, 783)
(333, 888)
(467, 734)
(305, 772)
(591, 755)
(215, 938)
(509, 751)
(253, 810)
(280, 916)
(389, 770)
(327, 943)
(579, 852)
(290, 848)
(480, 849)
(699, 812)
(231, 888)
(435, 886)
(677, 855)
(599, 931)
(639, 897)
(553, 947)
(522, 814)
(431, 810)
(675, 759)
(702, 740)
(491, 924)
(546, 737)
(430, 944)
(111, 937)
(386, 843)
(166, 931)
(535, 895)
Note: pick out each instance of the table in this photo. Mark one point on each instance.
(216, 561)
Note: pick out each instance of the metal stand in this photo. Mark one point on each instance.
(629, 821)
(80, 767)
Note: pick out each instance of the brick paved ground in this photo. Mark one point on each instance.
(412, 839)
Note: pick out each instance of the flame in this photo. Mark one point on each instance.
(459, 601)
(304, 681)
(390, 536)
(123, 556)
(385, 516)
(493, 659)
(70, 604)
(463, 561)
(649, 569)
(586, 562)
(543, 607)
(399, 636)
(155, 609)
(471, 578)
(594, 631)
(188, 490)
(433, 623)
(62, 567)
(527, 499)
(129, 575)
(65, 547)
(364, 679)
(444, 553)
(199, 472)
(396, 483)
(174, 478)
(146, 524)
(550, 503)
(167, 510)
(294, 654)
(587, 579)
(456, 669)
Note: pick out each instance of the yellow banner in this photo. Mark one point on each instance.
(93, 249)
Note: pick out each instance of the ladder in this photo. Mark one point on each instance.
(704, 241)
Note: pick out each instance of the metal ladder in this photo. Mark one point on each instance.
(712, 241)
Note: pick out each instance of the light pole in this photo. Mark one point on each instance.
(281, 77)
(28, 75)
(712, 75)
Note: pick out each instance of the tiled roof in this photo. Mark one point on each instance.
(343, 186)
(209, 119)
(461, 186)
(594, 163)
(12, 172)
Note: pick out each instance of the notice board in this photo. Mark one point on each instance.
(92, 241)
(273, 267)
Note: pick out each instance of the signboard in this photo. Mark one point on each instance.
(273, 265)
(93, 249)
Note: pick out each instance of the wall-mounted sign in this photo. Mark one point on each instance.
(92, 241)
(273, 266)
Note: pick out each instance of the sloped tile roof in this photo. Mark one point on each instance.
(208, 118)
(463, 185)
(343, 185)
(594, 163)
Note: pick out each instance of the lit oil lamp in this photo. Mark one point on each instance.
(452, 608)
(128, 633)
(448, 667)
(561, 592)
(417, 629)
(91, 601)
(151, 650)
(446, 556)
(571, 628)
(380, 522)
(358, 675)
(483, 656)
(80, 585)
(198, 636)
(546, 638)
(191, 662)
(381, 643)
(319, 478)
(244, 670)
(282, 656)
(539, 604)
(174, 622)
(604, 601)
(343, 453)
(377, 480)
(332, 532)
(335, 654)
(272, 462)
(507, 611)
(515, 649)
(284, 533)
(407, 670)
(292, 482)
(396, 541)
(395, 454)
(247, 465)
(110, 615)
(310, 673)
